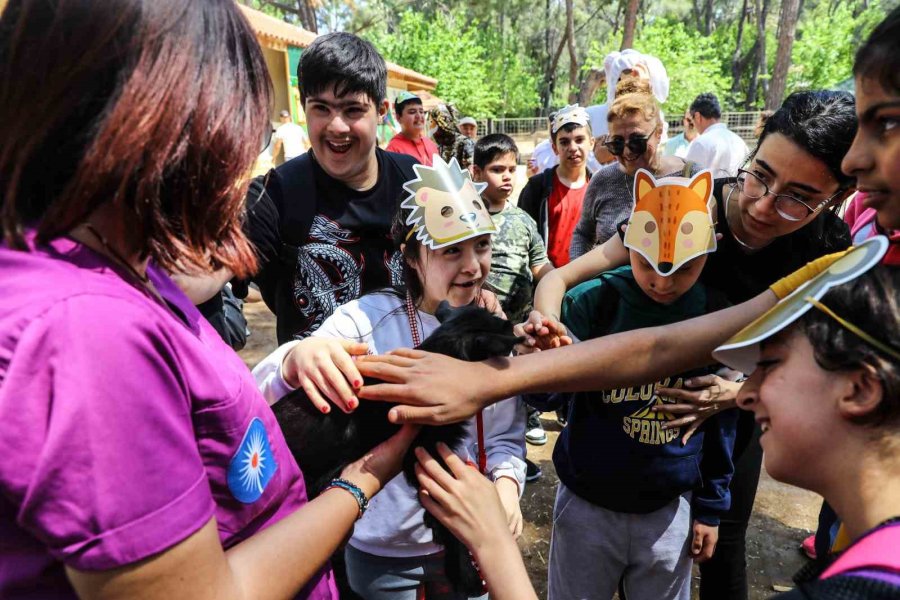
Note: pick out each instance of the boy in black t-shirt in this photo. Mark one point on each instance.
(321, 224)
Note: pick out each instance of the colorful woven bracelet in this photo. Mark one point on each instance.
(354, 489)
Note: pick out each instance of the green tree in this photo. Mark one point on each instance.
(827, 39)
(474, 69)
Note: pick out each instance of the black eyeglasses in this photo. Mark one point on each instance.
(787, 206)
(636, 144)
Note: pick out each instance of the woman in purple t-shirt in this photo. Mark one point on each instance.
(139, 459)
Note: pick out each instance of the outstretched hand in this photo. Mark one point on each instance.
(432, 389)
(699, 399)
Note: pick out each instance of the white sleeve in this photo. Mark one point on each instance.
(697, 153)
(504, 437)
(268, 375)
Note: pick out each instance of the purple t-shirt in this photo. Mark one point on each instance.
(123, 428)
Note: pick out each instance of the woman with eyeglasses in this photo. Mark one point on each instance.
(774, 216)
(635, 133)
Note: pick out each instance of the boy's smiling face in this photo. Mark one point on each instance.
(500, 175)
(342, 134)
(665, 290)
(874, 158)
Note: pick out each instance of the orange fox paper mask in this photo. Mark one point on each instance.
(672, 220)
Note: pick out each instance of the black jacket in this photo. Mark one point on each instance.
(535, 196)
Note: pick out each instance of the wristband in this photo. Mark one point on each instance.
(784, 286)
(355, 491)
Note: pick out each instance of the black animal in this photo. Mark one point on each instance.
(324, 444)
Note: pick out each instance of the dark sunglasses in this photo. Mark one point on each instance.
(636, 144)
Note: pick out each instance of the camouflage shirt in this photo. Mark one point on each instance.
(516, 248)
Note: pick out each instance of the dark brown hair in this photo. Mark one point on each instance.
(157, 105)
(872, 303)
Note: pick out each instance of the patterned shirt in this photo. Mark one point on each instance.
(517, 248)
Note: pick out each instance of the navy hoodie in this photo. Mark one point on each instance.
(613, 452)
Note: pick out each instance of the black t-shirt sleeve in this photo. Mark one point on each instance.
(262, 228)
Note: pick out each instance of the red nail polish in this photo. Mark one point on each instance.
(325, 410)
(357, 384)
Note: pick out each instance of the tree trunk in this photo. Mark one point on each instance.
(787, 26)
(707, 17)
(308, 15)
(573, 58)
(758, 78)
(589, 86)
(630, 24)
(737, 64)
(549, 74)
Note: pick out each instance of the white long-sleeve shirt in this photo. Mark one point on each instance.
(718, 149)
(393, 525)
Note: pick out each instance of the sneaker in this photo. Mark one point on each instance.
(561, 418)
(808, 547)
(532, 471)
(534, 431)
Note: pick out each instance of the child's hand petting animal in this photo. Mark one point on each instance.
(324, 366)
(467, 503)
(508, 490)
(541, 332)
(372, 472)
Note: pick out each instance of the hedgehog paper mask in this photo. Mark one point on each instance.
(446, 205)
(672, 220)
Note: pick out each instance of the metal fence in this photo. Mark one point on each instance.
(742, 123)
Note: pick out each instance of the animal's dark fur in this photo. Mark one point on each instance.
(324, 444)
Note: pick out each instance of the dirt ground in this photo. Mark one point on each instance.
(782, 516)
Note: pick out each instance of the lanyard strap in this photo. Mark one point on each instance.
(479, 418)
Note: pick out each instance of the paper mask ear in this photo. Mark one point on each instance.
(741, 351)
(701, 184)
(643, 184)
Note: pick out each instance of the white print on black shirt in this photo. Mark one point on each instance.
(327, 275)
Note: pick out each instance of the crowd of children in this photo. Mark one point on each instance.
(142, 457)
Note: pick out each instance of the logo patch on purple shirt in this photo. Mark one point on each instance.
(253, 465)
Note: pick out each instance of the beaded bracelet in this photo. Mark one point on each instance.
(354, 489)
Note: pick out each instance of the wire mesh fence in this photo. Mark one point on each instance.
(742, 123)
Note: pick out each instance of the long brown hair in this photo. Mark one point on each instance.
(158, 105)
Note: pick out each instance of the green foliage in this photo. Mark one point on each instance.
(484, 75)
(693, 61)
(827, 38)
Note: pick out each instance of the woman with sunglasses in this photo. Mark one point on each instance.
(635, 133)
(773, 217)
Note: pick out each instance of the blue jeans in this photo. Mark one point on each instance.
(389, 578)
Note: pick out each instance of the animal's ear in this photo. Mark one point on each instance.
(701, 184)
(443, 312)
(643, 183)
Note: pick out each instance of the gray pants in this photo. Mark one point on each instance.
(591, 548)
(385, 578)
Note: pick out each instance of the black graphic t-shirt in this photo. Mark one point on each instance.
(347, 251)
